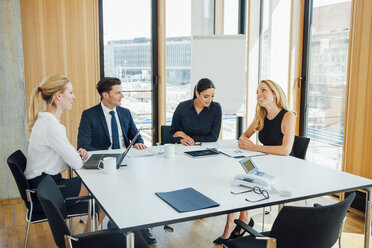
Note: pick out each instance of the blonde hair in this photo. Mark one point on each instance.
(281, 102)
(44, 95)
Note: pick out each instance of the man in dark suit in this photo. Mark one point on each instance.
(95, 130)
(109, 126)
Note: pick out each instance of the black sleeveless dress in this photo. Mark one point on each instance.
(271, 134)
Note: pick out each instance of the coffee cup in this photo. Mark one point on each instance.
(109, 165)
(169, 150)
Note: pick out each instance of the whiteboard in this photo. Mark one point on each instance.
(222, 59)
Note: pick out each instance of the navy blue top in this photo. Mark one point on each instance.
(202, 127)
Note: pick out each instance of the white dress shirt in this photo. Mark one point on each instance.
(49, 150)
(108, 117)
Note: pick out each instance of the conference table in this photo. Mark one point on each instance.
(128, 197)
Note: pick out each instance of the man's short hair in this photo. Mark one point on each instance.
(106, 83)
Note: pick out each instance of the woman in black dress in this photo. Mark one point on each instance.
(276, 131)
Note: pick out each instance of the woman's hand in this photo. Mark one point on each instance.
(83, 154)
(187, 141)
(246, 144)
(180, 134)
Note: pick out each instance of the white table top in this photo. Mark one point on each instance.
(128, 197)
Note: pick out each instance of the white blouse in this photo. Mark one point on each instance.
(49, 150)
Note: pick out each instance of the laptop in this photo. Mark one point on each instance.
(250, 168)
(94, 161)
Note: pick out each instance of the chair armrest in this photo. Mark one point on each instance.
(270, 242)
(79, 198)
(107, 237)
(247, 228)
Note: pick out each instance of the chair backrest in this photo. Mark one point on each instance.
(17, 164)
(300, 146)
(166, 137)
(309, 227)
(52, 202)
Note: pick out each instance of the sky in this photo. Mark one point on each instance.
(128, 19)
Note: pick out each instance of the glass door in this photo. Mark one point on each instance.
(325, 80)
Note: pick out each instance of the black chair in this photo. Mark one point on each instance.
(53, 204)
(305, 227)
(166, 137)
(299, 150)
(300, 146)
(17, 164)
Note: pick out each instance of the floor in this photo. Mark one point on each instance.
(199, 233)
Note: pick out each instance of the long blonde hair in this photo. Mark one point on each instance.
(43, 96)
(281, 102)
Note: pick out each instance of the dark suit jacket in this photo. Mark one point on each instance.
(93, 131)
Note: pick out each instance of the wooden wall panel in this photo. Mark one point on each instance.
(357, 154)
(162, 55)
(61, 36)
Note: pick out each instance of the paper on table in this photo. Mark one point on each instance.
(238, 153)
(140, 153)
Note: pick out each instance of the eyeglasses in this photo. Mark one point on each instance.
(256, 190)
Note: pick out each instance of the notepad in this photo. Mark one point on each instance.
(186, 200)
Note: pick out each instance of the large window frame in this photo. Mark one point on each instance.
(154, 63)
(157, 91)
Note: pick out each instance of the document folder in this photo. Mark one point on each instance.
(188, 199)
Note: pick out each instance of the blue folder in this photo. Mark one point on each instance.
(185, 200)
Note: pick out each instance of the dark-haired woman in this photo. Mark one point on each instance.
(198, 119)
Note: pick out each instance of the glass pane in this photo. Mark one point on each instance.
(127, 55)
(179, 27)
(274, 40)
(327, 81)
(178, 50)
(231, 16)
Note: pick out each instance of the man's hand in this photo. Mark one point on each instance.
(83, 154)
(187, 141)
(140, 146)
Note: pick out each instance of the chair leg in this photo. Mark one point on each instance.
(27, 231)
(341, 230)
(72, 225)
(263, 219)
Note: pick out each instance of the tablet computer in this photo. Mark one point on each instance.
(202, 153)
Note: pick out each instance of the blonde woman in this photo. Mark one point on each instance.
(276, 131)
(49, 151)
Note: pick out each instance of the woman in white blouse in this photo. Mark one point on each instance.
(49, 151)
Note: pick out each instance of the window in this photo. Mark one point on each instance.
(184, 18)
(324, 118)
(274, 41)
(127, 56)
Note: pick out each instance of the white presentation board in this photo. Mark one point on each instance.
(222, 59)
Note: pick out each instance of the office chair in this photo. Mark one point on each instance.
(166, 137)
(305, 227)
(300, 146)
(299, 150)
(53, 204)
(17, 164)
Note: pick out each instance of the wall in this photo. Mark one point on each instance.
(357, 155)
(61, 36)
(13, 108)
